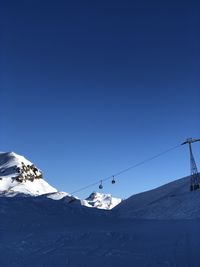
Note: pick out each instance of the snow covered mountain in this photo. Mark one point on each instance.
(171, 201)
(95, 200)
(101, 201)
(19, 175)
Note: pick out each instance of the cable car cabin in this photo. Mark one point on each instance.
(101, 186)
(113, 180)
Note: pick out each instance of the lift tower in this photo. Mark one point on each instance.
(195, 176)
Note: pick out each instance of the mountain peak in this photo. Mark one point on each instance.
(17, 174)
(101, 201)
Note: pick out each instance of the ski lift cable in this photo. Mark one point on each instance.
(127, 169)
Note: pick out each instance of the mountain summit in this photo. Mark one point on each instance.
(19, 175)
(101, 201)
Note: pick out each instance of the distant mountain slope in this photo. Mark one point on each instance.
(101, 201)
(170, 201)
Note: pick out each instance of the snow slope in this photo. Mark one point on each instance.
(12, 167)
(170, 201)
(51, 233)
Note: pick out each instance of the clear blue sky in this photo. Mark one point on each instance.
(91, 87)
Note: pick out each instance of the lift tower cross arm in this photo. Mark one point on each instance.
(191, 140)
(195, 176)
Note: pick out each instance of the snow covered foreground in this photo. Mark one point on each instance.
(43, 232)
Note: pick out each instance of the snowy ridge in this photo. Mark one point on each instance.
(65, 198)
